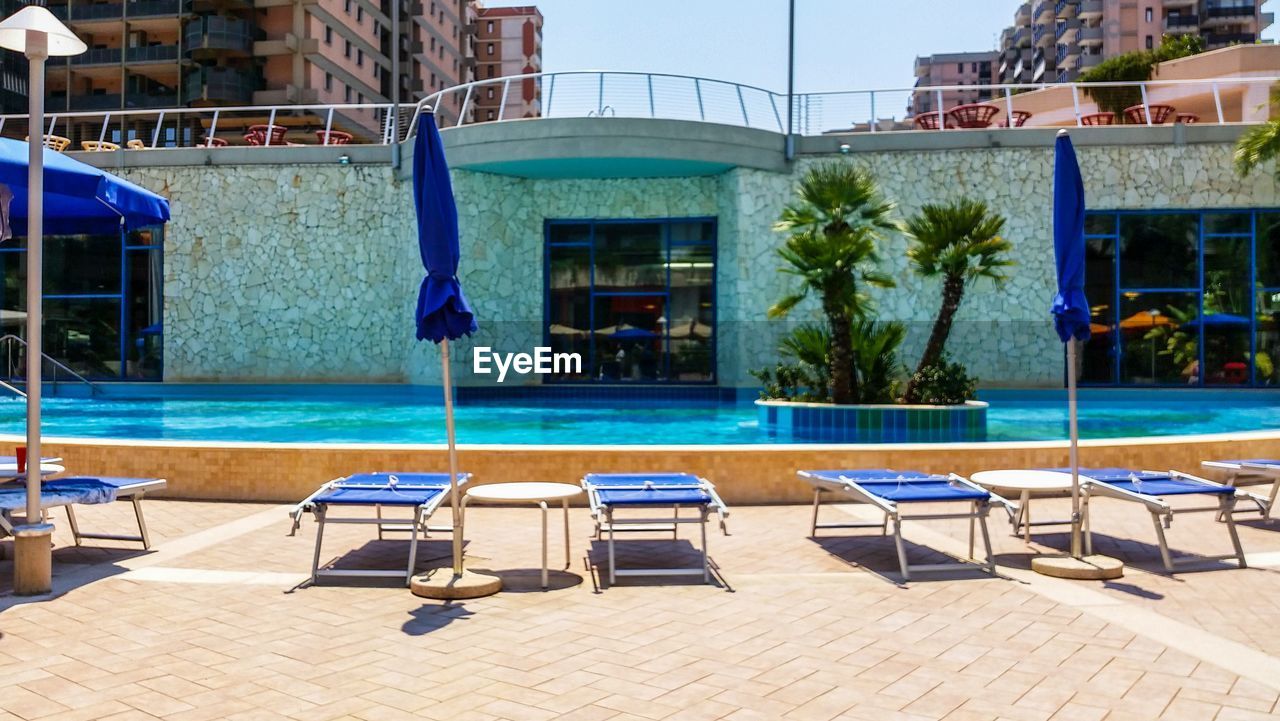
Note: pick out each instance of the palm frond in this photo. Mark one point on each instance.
(1257, 146)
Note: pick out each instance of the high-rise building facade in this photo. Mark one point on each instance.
(1056, 40)
(508, 42)
(951, 69)
(168, 53)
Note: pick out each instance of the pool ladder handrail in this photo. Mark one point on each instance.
(9, 339)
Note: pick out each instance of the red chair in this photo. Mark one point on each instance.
(1137, 114)
(1098, 119)
(929, 121)
(214, 142)
(335, 137)
(257, 134)
(1235, 373)
(973, 115)
(1020, 118)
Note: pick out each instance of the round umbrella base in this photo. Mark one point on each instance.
(33, 559)
(442, 584)
(1088, 568)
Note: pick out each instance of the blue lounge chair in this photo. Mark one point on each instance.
(609, 493)
(888, 490)
(421, 492)
(84, 490)
(1252, 471)
(1151, 489)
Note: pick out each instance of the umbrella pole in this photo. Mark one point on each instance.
(33, 554)
(453, 458)
(1074, 431)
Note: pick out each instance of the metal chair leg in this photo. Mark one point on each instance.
(142, 523)
(418, 522)
(75, 527)
(902, 551)
(986, 542)
(1228, 510)
(813, 525)
(315, 559)
(612, 566)
(706, 563)
(1164, 543)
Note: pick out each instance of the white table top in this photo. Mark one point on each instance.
(10, 470)
(531, 492)
(1023, 480)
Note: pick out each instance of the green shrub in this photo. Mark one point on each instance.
(944, 383)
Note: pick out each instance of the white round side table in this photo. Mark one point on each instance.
(539, 493)
(1025, 482)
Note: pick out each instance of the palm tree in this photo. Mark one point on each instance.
(1260, 144)
(961, 242)
(834, 226)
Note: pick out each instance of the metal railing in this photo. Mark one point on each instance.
(9, 340)
(608, 95)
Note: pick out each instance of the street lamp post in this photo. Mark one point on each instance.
(36, 33)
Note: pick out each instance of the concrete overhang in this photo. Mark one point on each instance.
(610, 148)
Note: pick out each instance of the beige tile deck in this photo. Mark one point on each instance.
(213, 625)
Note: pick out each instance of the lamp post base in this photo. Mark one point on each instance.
(442, 584)
(1086, 568)
(33, 559)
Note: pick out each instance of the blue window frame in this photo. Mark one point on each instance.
(635, 298)
(103, 301)
(1183, 298)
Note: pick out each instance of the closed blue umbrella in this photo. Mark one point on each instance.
(1070, 308)
(1216, 320)
(443, 313)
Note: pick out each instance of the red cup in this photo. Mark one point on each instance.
(22, 459)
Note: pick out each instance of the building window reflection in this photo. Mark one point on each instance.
(1183, 298)
(636, 298)
(103, 303)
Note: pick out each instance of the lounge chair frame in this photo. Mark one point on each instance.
(1162, 516)
(132, 492)
(1251, 473)
(416, 524)
(607, 523)
(852, 489)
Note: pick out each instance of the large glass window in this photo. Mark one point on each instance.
(103, 303)
(635, 298)
(1191, 298)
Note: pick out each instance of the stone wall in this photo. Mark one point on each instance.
(278, 272)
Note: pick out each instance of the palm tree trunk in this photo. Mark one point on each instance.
(843, 383)
(952, 294)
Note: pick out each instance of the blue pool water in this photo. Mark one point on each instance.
(389, 414)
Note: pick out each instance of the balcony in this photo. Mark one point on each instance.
(1043, 10)
(1218, 40)
(1066, 9)
(1179, 23)
(1067, 53)
(152, 8)
(1068, 31)
(1179, 4)
(1215, 14)
(1022, 16)
(152, 54)
(218, 86)
(1090, 36)
(1090, 9)
(150, 100)
(1043, 36)
(98, 56)
(1022, 37)
(214, 35)
(1090, 61)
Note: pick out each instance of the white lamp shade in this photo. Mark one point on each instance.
(13, 32)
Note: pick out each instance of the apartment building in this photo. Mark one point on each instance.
(170, 53)
(951, 69)
(508, 42)
(1056, 40)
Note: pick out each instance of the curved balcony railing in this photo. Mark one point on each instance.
(608, 96)
(214, 33)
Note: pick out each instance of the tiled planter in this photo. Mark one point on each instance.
(785, 420)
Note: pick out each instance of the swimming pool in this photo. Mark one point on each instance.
(397, 414)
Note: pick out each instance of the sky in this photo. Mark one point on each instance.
(840, 44)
